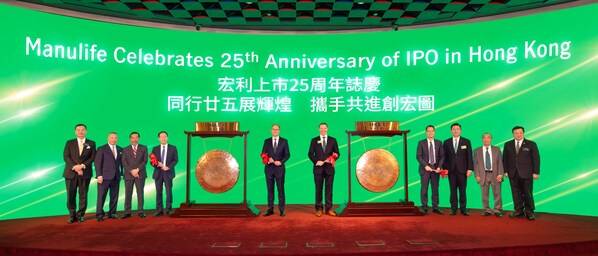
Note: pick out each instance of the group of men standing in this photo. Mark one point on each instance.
(112, 163)
(454, 157)
(519, 160)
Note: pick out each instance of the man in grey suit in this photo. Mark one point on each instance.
(488, 168)
(430, 155)
(134, 162)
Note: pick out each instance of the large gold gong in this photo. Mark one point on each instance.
(377, 170)
(217, 171)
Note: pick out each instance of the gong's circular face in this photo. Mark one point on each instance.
(377, 170)
(217, 171)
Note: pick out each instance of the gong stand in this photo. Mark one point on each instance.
(360, 209)
(190, 209)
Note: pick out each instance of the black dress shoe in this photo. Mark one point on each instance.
(516, 215)
(112, 216)
(157, 214)
(126, 216)
(424, 211)
(168, 212)
(100, 218)
(464, 213)
(498, 214)
(531, 216)
(141, 215)
(486, 214)
(437, 211)
(268, 213)
(81, 219)
(282, 214)
(453, 212)
(71, 220)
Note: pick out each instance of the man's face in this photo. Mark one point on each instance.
(487, 140)
(323, 129)
(163, 138)
(518, 134)
(134, 139)
(80, 131)
(112, 139)
(456, 131)
(430, 132)
(275, 131)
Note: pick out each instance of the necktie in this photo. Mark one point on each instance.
(487, 163)
(135, 151)
(324, 143)
(517, 146)
(80, 146)
(275, 144)
(113, 151)
(455, 145)
(431, 156)
(163, 154)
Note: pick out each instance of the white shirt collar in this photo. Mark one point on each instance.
(276, 138)
(81, 140)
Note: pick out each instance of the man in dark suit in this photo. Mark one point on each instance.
(430, 155)
(78, 155)
(323, 151)
(276, 149)
(522, 165)
(134, 162)
(459, 163)
(109, 168)
(164, 172)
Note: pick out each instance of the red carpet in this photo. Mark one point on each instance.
(301, 233)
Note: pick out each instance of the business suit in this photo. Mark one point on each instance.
(457, 161)
(320, 150)
(275, 174)
(110, 168)
(429, 177)
(521, 164)
(134, 157)
(488, 176)
(74, 182)
(163, 179)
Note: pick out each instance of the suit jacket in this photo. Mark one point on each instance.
(132, 161)
(71, 157)
(172, 158)
(525, 163)
(281, 154)
(422, 154)
(479, 164)
(458, 162)
(106, 165)
(316, 153)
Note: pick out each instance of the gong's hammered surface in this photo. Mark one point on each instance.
(217, 171)
(377, 170)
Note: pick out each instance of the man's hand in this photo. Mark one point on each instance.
(437, 170)
(270, 160)
(319, 163)
(277, 163)
(499, 178)
(160, 165)
(428, 168)
(100, 179)
(469, 173)
(135, 172)
(477, 178)
(536, 176)
(165, 168)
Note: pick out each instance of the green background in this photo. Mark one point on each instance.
(556, 100)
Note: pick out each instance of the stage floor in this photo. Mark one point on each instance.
(300, 232)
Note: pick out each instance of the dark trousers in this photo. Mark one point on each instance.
(523, 199)
(458, 185)
(139, 183)
(163, 182)
(74, 185)
(426, 179)
(324, 176)
(107, 185)
(275, 175)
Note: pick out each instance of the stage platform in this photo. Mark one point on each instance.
(301, 233)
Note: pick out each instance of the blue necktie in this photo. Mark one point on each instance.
(487, 164)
